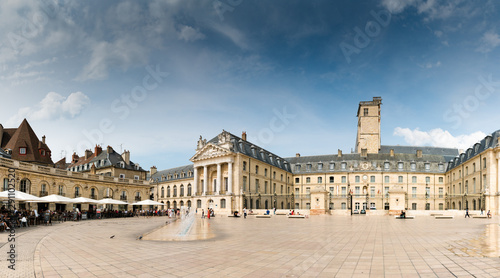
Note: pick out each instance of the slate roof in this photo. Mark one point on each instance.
(448, 153)
(169, 174)
(376, 163)
(105, 159)
(254, 151)
(490, 141)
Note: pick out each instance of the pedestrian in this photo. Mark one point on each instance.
(208, 213)
(467, 213)
(489, 214)
(274, 210)
(481, 211)
(244, 212)
(202, 213)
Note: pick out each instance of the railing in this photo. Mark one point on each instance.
(93, 197)
(123, 198)
(137, 198)
(6, 162)
(62, 194)
(43, 193)
(77, 195)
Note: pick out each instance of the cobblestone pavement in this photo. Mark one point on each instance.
(321, 246)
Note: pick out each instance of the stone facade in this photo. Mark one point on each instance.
(42, 181)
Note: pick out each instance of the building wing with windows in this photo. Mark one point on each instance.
(230, 173)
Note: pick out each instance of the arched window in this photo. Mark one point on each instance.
(198, 203)
(223, 203)
(162, 192)
(168, 191)
(175, 191)
(175, 203)
(182, 191)
(24, 186)
(189, 190)
(181, 203)
(43, 190)
(77, 192)
(60, 190)
(189, 203)
(92, 193)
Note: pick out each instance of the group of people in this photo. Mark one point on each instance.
(488, 214)
(210, 213)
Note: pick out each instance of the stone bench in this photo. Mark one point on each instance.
(263, 216)
(444, 217)
(436, 214)
(407, 217)
(479, 216)
(296, 216)
(281, 213)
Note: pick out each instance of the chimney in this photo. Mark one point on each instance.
(364, 152)
(75, 158)
(391, 153)
(153, 170)
(97, 150)
(244, 135)
(297, 155)
(110, 149)
(340, 153)
(88, 154)
(43, 139)
(419, 153)
(126, 157)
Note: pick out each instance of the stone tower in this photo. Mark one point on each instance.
(368, 138)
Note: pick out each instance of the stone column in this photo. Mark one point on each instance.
(195, 187)
(230, 178)
(219, 177)
(205, 179)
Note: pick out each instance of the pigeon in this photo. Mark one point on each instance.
(112, 236)
(140, 238)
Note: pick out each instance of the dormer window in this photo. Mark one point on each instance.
(308, 167)
(297, 167)
(42, 152)
(320, 166)
(22, 151)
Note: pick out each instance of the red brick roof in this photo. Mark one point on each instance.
(24, 137)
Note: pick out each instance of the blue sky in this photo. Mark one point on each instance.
(151, 77)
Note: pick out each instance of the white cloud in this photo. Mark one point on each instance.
(438, 138)
(237, 37)
(53, 106)
(489, 41)
(397, 6)
(120, 53)
(429, 65)
(190, 34)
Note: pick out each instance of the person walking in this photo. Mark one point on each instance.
(202, 213)
(245, 212)
(481, 211)
(467, 213)
(208, 213)
(489, 214)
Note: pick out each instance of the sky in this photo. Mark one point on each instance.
(152, 77)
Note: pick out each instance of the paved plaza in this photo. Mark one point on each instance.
(320, 246)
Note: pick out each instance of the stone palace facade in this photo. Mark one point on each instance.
(229, 173)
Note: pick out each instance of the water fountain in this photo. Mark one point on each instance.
(187, 228)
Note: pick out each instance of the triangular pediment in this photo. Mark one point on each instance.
(210, 151)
